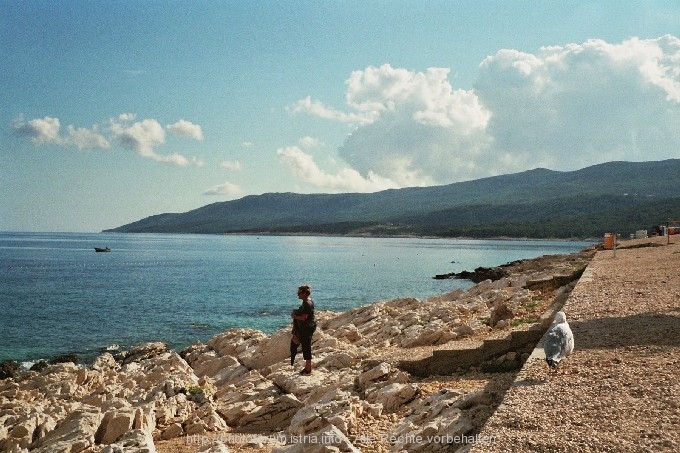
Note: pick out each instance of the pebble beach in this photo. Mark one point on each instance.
(619, 391)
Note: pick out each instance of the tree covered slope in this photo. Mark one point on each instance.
(616, 196)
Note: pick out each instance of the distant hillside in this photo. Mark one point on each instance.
(616, 196)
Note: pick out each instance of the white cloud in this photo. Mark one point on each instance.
(309, 142)
(567, 107)
(413, 122)
(316, 108)
(347, 179)
(142, 136)
(231, 165)
(47, 130)
(248, 144)
(83, 138)
(173, 159)
(39, 130)
(226, 189)
(184, 128)
(562, 107)
(127, 116)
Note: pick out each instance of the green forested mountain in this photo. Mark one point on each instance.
(614, 197)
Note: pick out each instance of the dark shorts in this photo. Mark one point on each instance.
(306, 343)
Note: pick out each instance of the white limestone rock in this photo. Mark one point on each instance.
(173, 430)
(211, 365)
(305, 420)
(165, 411)
(472, 399)
(268, 350)
(232, 413)
(135, 441)
(377, 372)
(217, 447)
(437, 414)
(21, 434)
(393, 396)
(75, 433)
(324, 440)
(113, 425)
(338, 361)
(301, 387)
(342, 413)
(104, 361)
(204, 419)
(235, 342)
(275, 415)
(348, 333)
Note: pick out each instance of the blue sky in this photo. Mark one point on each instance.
(115, 111)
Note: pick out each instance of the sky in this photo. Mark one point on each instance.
(113, 111)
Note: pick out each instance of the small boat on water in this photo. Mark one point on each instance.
(100, 249)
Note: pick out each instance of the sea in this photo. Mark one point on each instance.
(58, 296)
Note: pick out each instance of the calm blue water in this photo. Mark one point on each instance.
(58, 296)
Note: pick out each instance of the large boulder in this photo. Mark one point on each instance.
(274, 415)
(9, 369)
(104, 361)
(114, 424)
(268, 351)
(393, 396)
(236, 342)
(501, 312)
(135, 441)
(204, 419)
(141, 352)
(433, 423)
(209, 364)
(379, 371)
(75, 433)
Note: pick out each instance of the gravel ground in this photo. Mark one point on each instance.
(619, 391)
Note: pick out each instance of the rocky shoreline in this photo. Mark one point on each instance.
(399, 375)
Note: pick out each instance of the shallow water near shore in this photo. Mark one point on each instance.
(59, 296)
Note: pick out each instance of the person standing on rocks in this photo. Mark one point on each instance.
(305, 325)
